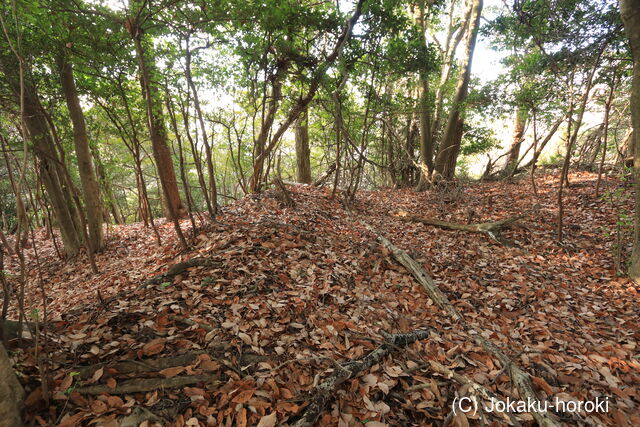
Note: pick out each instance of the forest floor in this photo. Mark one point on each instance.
(295, 290)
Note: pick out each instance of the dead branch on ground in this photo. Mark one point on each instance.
(519, 378)
(345, 371)
(492, 229)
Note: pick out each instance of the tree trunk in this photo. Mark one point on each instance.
(49, 163)
(212, 198)
(11, 393)
(519, 124)
(303, 161)
(88, 179)
(107, 190)
(426, 141)
(454, 36)
(259, 161)
(450, 147)
(631, 19)
(605, 133)
(155, 121)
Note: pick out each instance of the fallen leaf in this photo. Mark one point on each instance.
(268, 420)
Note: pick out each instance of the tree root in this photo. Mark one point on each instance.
(520, 379)
(133, 366)
(345, 371)
(491, 229)
(141, 366)
(140, 385)
(283, 194)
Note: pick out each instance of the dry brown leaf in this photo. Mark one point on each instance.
(111, 383)
(243, 397)
(268, 420)
(172, 372)
(154, 347)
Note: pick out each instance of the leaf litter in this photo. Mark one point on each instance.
(295, 291)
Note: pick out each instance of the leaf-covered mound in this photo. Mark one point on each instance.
(290, 293)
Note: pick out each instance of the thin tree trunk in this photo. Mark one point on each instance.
(36, 127)
(211, 199)
(448, 153)
(631, 19)
(107, 190)
(537, 152)
(303, 161)
(183, 173)
(426, 140)
(519, 125)
(454, 36)
(573, 136)
(88, 179)
(259, 162)
(607, 109)
(157, 129)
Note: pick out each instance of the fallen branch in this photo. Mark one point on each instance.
(330, 170)
(345, 371)
(140, 385)
(132, 366)
(141, 366)
(491, 229)
(180, 267)
(519, 378)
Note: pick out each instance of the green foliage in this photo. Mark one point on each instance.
(555, 159)
(478, 140)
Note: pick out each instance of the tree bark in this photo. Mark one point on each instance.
(303, 161)
(448, 153)
(630, 11)
(155, 121)
(519, 124)
(88, 179)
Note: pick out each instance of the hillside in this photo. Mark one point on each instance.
(280, 298)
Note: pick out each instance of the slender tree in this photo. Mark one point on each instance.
(151, 83)
(303, 161)
(450, 146)
(88, 178)
(630, 11)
